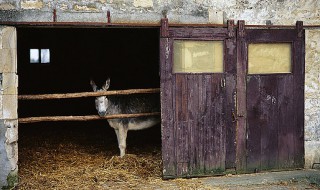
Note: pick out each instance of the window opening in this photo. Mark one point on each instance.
(269, 58)
(39, 55)
(197, 56)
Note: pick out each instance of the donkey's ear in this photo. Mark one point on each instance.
(107, 85)
(94, 86)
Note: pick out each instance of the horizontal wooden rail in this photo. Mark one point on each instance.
(135, 25)
(83, 118)
(88, 94)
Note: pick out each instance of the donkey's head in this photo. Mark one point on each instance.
(101, 101)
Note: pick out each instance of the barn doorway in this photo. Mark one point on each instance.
(63, 60)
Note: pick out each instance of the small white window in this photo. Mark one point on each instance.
(39, 55)
(34, 56)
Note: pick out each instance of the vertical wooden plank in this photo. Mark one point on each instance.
(207, 114)
(218, 133)
(166, 86)
(299, 78)
(230, 97)
(181, 127)
(241, 98)
(214, 125)
(286, 121)
(230, 119)
(253, 124)
(269, 121)
(193, 105)
(201, 127)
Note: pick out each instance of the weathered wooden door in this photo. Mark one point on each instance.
(197, 100)
(272, 65)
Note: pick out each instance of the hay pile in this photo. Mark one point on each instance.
(73, 158)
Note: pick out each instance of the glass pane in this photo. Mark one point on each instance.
(45, 56)
(269, 58)
(34, 56)
(197, 56)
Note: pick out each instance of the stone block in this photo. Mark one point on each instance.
(216, 17)
(10, 106)
(10, 83)
(11, 139)
(9, 38)
(8, 60)
(312, 153)
(31, 4)
(7, 6)
(143, 3)
(1, 107)
(12, 131)
(86, 8)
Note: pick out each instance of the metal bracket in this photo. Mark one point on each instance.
(164, 28)
(299, 27)
(231, 30)
(241, 30)
(108, 17)
(54, 15)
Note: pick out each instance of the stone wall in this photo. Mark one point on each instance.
(8, 107)
(279, 12)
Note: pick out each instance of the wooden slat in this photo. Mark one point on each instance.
(208, 33)
(241, 99)
(299, 79)
(230, 125)
(230, 100)
(168, 138)
(181, 127)
(269, 121)
(87, 94)
(201, 124)
(193, 117)
(208, 123)
(82, 118)
(254, 115)
(216, 133)
(287, 112)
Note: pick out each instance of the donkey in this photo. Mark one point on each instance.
(126, 104)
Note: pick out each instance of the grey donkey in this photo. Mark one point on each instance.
(127, 104)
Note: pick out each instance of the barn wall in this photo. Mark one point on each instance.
(178, 11)
(8, 107)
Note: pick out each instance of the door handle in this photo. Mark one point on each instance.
(223, 82)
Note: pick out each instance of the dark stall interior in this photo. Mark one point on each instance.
(129, 56)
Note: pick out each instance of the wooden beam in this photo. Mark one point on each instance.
(88, 94)
(83, 118)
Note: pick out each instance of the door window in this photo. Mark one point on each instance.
(198, 56)
(269, 58)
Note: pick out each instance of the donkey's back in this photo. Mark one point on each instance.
(131, 104)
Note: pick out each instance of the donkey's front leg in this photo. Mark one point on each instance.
(122, 139)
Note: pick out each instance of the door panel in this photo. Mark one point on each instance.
(274, 112)
(195, 107)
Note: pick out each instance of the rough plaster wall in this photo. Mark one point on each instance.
(192, 11)
(8, 107)
(312, 98)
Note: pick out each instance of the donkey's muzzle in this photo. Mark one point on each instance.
(102, 113)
